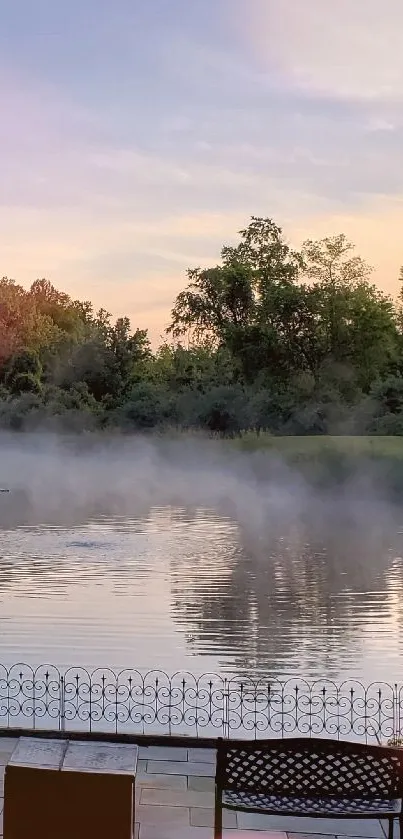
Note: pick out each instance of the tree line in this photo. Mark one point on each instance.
(271, 339)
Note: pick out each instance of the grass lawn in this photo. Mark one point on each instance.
(296, 447)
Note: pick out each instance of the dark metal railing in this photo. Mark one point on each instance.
(132, 702)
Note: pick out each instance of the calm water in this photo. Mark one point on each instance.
(173, 589)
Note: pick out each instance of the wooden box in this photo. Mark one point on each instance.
(54, 789)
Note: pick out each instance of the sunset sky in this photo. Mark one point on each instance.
(137, 136)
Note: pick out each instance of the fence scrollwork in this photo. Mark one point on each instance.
(130, 701)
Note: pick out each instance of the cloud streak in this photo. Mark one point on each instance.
(122, 166)
(352, 50)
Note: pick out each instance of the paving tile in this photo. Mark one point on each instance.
(171, 767)
(251, 834)
(162, 753)
(396, 833)
(174, 782)
(203, 755)
(309, 836)
(319, 836)
(201, 784)
(184, 798)
(385, 832)
(141, 767)
(173, 816)
(8, 744)
(148, 831)
(204, 817)
(367, 828)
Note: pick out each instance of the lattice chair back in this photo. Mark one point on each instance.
(310, 767)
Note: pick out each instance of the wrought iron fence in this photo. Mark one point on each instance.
(183, 704)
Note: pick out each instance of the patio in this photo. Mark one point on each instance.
(175, 800)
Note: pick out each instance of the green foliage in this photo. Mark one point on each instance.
(270, 340)
(147, 406)
(23, 373)
(224, 410)
(25, 383)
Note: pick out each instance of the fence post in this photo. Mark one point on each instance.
(226, 710)
(396, 714)
(62, 717)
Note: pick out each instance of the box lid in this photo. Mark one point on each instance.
(39, 753)
(96, 757)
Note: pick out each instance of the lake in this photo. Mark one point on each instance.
(178, 588)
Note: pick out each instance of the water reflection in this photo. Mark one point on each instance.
(174, 588)
(301, 604)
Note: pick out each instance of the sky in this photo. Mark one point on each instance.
(137, 137)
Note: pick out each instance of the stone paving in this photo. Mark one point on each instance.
(175, 800)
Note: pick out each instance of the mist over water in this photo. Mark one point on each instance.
(190, 554)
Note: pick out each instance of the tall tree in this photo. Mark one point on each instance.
(131, 350)
(22, 324)
(250, 303)
(355, 322)
(68, 315)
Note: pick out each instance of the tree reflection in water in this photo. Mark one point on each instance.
(301, 600)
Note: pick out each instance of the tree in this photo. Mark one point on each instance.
(270, 338)
(355, 322)
(262, 248)
(216, 302)
(197, 367)
(130, 351)
(251, 304)
(92, 363)
(66, 315)
(147, 406)
(22, 325)
(335, 272)
(24, 373)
